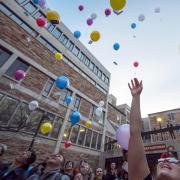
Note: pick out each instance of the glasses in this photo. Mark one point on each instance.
(170, 160)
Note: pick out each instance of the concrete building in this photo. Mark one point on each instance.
(25, 46)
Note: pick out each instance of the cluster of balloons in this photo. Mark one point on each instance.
(19, 75)
(117, 5)
(75, 117)
(91, 19)
(53, 17)
(41, 3)
(62, 82)
(46, 128)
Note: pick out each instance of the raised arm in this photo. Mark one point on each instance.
(137, 163)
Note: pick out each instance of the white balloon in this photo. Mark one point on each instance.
(33, 105)
(101, 103)
(11, 86)
(123, 135)
(98, 112)
(93, 16)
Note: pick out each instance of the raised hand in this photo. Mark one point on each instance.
(135, 87)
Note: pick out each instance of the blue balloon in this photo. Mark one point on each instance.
(75, 117)
(116, 46)
(36, 1)
(62, 82)
(77, 34)
(133, 25)
(68, 100)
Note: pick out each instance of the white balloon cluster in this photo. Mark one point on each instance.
(99, 110)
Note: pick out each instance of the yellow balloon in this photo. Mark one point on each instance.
(88, 124)
(52, 15)
(46, 128)
(117, 5)
(95, 36)
(58, 56)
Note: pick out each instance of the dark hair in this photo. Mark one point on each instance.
(67, 162)
(64, 160)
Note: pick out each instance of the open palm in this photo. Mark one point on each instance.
(135, 87)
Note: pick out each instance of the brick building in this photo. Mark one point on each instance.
(25, 46)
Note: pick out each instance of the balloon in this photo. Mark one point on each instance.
(136, 64)
(42, 3)
(98, 112)
(133, 25)
(123, 135)
(95, 36)
(157, 10)
(101, 103)
(67, 144)
(77, 34)
(41, 21)
(68, 100)
(20, 74)
(89, 22)
(35, 1)
(141, 17)
(116, 46)
(117, 5)
(115, 63)
(107, 12)
(93, 16)
(58, 56)
(46, 128)
(62, 82)
(75, 117)
(88, 124)
(53, 17)
(33, 105)
(81, 7)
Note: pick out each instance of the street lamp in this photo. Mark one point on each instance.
(159, 120)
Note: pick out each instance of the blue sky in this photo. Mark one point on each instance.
(156, 46)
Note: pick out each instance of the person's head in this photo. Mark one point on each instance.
(56, 160)
(3, 149)
(84, 167)
(113, 165)
(69, 165)
(26, 158)
(99, 172)
(125, 154)
(168, 168)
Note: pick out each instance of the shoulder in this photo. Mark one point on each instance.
(148, 177)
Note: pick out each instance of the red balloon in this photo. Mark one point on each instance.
(41, 21)
(67, 144)
(136, 64)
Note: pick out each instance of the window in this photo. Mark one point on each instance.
(88, 138)
(82, 57)
(47, 87)
(50, 26)
(77, 103)
(18, 64)
(99, 73)
(16, 19)
(103, 77)
(56, 33)
(171, 117)
(107, 80)
(50, 47)
(63, 39)
(7, 108)
(67, 131)
(27, 28)
(5, 10)
(95, 69)
(64, 94)
(38, 14)
(30, 7)
(82, 132)
(93, 108)
(74, 134)
(21, 1)
(4, 56)
(56, 127)
(41, 40)
(91, 66)
(93, 144)
(86, 61)
(70, 45)
(75, 51)
(99, 141)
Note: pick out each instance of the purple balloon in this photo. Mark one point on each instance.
(107, 12)
(123, 135)
(89, 22)
(81, 7)
(42, 3)
(20, 74)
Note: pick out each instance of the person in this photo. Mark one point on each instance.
(124, 173)
(167, 168)
(68, 169)
(171, 131)
(16, 169)
(54, 164)
(99, 174)
(112, 173)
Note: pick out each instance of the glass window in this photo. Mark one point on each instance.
(56, 127)
(100, 73)
(82, 57)
(77, 103)
(91, 66)
(18, 64)
(70, 45)
(86, 61)
(42, 40)
(63, 39)
(88, 138)
(74, 134)
(38, 14)
(95, 69)
(30, 7)
(21, 1)
(50, 26)
(171, 116)
(47, 87)
(64, 94)
(50, 47)
(67, 131)
(4, 56)
(7, 108)
(103, 77)
(79, 55)
(93, 108)
(5, 10)
(107, 80)
(99, 141)
(82, 132)
(56, 33)
(27, 28)
(94, 140)
(75, 51)
(16, 19)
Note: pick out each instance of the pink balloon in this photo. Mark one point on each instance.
(107, 12)
(136, 64)
(89, 22)
(41, 21)
(81, 7)
(67, 144)
(123, 135)
(20, 74)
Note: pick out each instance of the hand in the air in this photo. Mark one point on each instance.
(135, 87)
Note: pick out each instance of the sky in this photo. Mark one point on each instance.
(154, 43)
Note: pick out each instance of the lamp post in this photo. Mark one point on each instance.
(159, 120)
